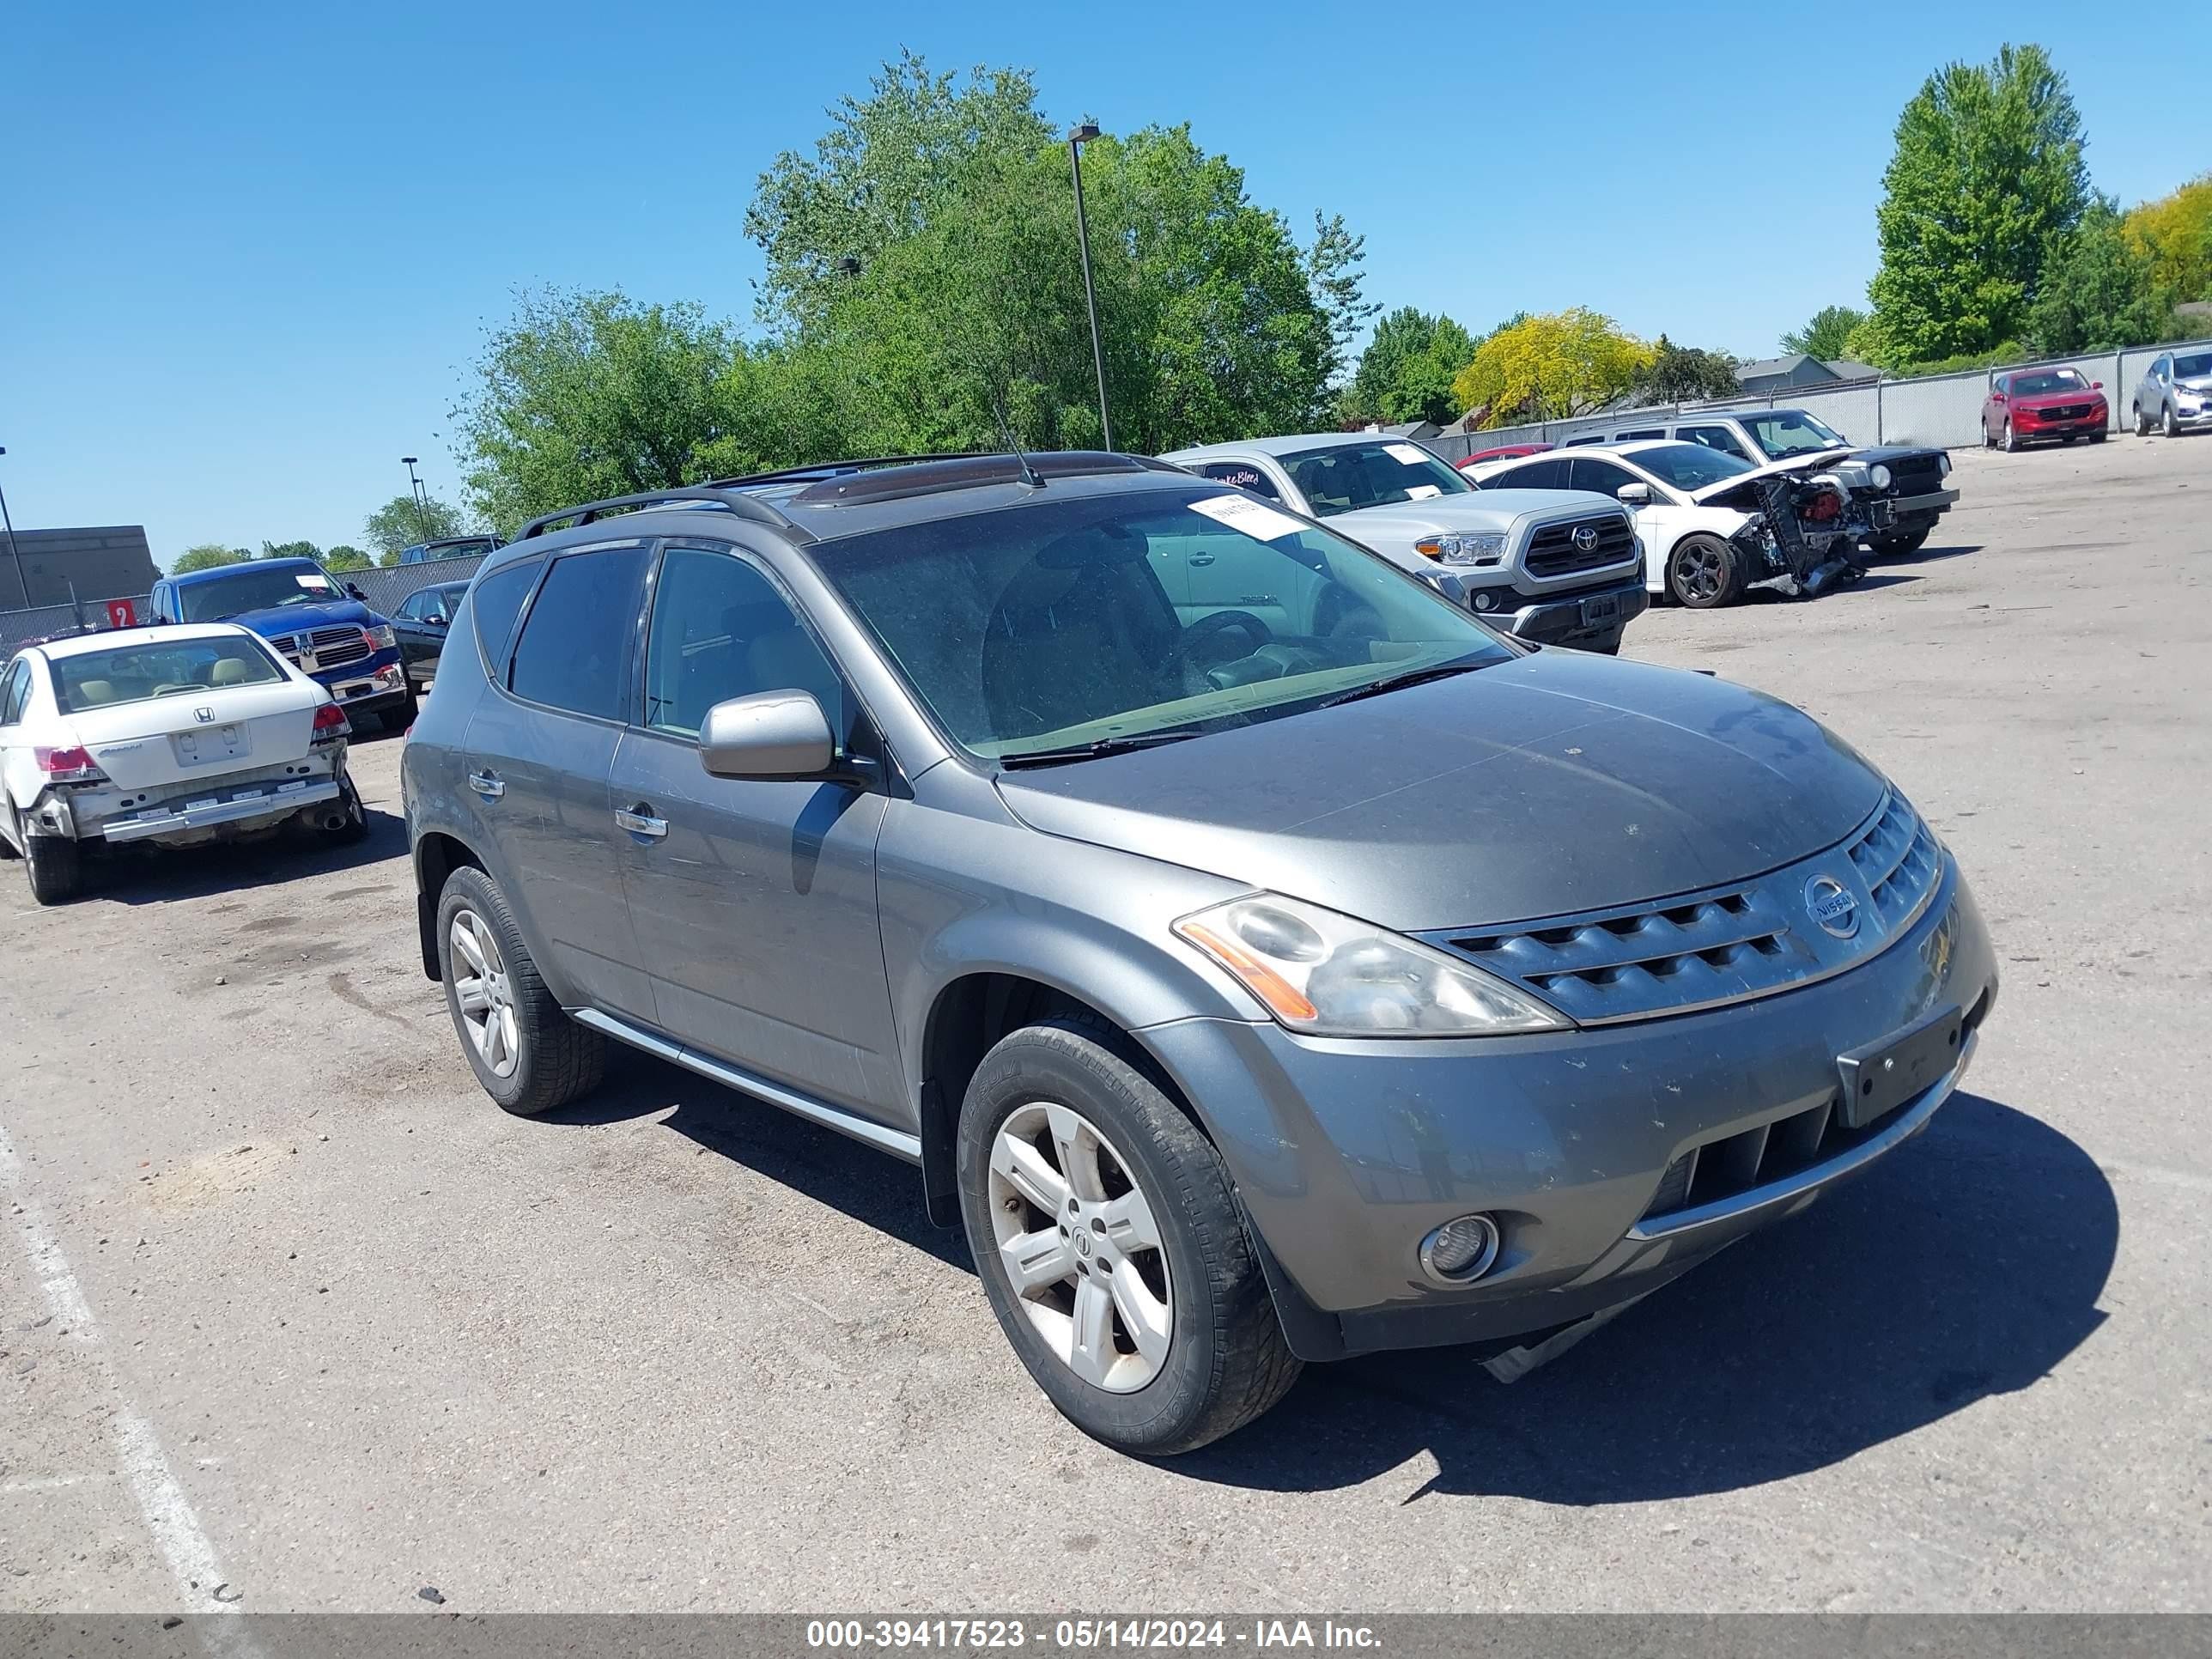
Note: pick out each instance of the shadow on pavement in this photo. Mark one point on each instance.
(139, 875)
(1967, 1264)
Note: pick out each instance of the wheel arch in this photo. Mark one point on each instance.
(437, 856)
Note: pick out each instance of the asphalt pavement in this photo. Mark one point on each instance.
(293, 1319)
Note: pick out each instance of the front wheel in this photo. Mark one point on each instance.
(2010, 443)
(1109, 1243)
(2141, 425)
(529, 1056)
(1911, 543)
(1703, 572)
(2167, 422)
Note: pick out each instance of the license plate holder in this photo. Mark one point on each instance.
(1604, 608)
(1883, 1075)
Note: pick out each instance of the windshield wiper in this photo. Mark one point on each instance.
(1091, 751)
(1409, 676)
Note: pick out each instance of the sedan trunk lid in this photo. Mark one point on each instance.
(156, 743)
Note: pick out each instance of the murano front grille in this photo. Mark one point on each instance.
(1750, 939)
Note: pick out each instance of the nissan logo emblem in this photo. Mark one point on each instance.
(1586, 538)
(1830, 903)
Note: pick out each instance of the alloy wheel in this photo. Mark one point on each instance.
(1080, 1246)
(1698, 572)
(2172, 427)
(485, 997)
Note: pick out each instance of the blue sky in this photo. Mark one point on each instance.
(247, 254)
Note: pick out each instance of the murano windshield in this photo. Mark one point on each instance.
(1105, 618)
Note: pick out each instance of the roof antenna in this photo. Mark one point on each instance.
(999, 413)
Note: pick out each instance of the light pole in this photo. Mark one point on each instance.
(13, 555)
(1076, 140)
(415, 488)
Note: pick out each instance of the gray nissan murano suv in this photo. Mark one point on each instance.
(1255, 985)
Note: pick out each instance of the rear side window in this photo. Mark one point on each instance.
(574, 647)
(498, 600)
(18, 692)
(1537, 475)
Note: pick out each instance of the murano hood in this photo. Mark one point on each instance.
(1544, 785)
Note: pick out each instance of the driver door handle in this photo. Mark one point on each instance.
(640, 822)
(1202, 558)
(486, 785)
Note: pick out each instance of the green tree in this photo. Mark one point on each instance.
(1986, 181)
(1828, 335)
(401, 522)
(1680, 375)
(346, 557)
(207, 556)
(290, 550)
(2100, 292)
(1406, 373)
(2176, 232)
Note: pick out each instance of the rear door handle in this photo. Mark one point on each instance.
(486, 785)
(1201, 558)
(640, 823)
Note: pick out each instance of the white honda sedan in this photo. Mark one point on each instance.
(170, 736)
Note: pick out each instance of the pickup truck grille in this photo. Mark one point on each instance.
(1915, 475)
(1750, 939)
(1553, 550)
(325, 647)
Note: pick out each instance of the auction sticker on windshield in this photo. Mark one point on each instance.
(1412, 454)
(314, 584)
(1256, 519)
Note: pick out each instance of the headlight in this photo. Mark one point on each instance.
(1943, 465)
(380, 635)
(1461, 549)
(1880, 476)
(1330, 975)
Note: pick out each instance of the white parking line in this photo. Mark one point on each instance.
(183, 1542)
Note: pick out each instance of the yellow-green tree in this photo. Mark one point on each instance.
(2176, 232)
(1551, 367)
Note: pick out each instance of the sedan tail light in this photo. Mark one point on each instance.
(330, 722)
(67, 766)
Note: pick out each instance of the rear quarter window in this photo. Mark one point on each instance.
(574, 648)
(497, 601)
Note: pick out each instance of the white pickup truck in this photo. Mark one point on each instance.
(1548, 565)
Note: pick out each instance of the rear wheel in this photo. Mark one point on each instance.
(1111, 1247)
(1703, 572)
(56, 866)
(529, 1056)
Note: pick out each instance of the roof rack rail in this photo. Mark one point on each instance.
(746, 506)
(818, 471)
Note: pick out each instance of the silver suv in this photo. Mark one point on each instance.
(1251, 992)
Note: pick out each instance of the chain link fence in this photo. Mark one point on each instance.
(1942, 410)
(383, 590)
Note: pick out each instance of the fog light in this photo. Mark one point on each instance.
(1486, 602)
(1461, 1250)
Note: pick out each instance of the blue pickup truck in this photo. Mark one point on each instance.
(307, 614)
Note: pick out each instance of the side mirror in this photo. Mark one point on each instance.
(2096, 385)
(769, 734)
(1636, 495)
(353, 591)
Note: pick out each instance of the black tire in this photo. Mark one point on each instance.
(6, 847)
(2136, 415)
(356, 828)
(1226, 1361)
(2167, 423)
(56, 866)
(1911, 542)
(1704, 573)
(557, 1061)
(2010, 442)
(397, 720)
(2096, 437)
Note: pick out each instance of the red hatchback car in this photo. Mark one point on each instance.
(2033, 403)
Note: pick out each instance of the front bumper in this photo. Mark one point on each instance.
(2184, 421)
(1592, 620)
(2028, 430)
(1347, 1153)
(368, 687)
(1887, 512)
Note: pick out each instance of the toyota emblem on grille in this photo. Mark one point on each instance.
(1829, 903)
(205, 716)
(1586, 538)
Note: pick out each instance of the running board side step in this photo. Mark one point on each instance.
(897, 1142)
